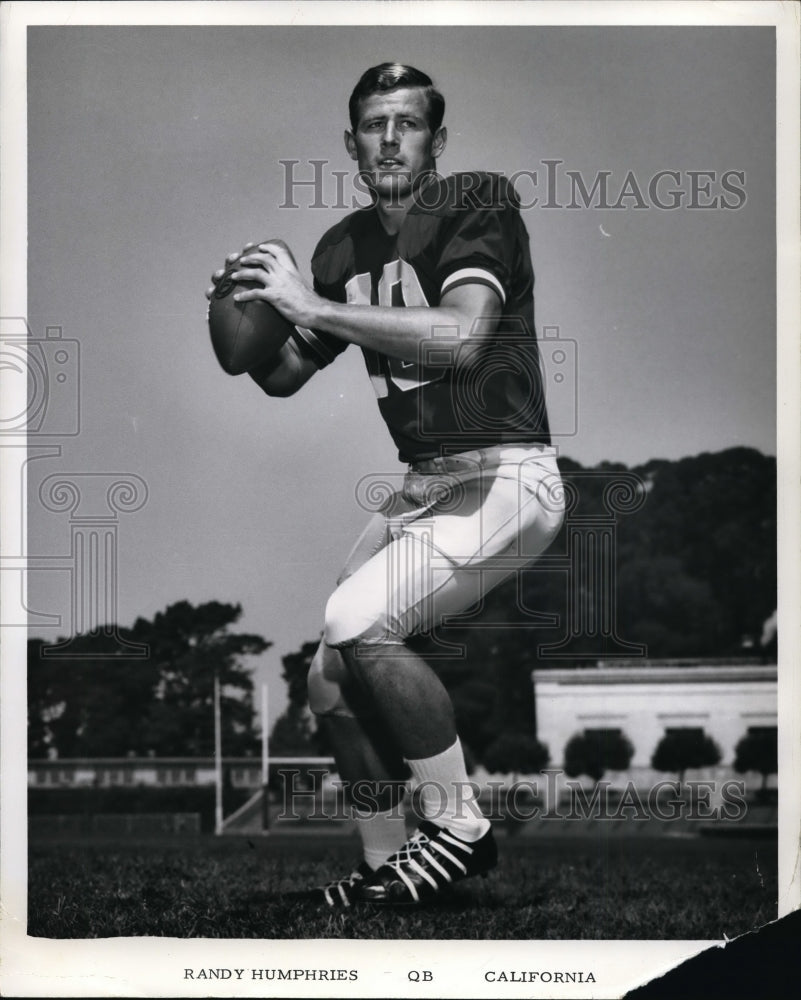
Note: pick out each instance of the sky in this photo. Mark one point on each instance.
(154, 151)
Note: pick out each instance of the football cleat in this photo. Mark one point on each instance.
(432, 859)
(341, 892)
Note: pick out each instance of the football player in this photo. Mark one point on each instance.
(434, 283)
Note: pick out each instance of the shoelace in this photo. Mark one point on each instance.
(420, 844)
(340, 887)
(414, 845)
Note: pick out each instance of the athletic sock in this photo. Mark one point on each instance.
(382, 834)
(446, 795)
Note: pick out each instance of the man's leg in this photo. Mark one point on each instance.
(413, 704)
(378, 708)
(404, 587)
(454, 840)
(437, 563)
(368, 763)
(417, 713)
(374, 781)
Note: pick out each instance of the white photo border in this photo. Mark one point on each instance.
(154, 967)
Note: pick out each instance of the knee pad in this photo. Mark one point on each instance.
(362, 612)
(345, 620)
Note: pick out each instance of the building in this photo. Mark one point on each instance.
(243, 773)
(645, 699)
(642, 699)
(131, 772)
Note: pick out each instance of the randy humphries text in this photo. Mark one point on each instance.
(289, 975)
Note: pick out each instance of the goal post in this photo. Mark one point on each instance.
(253, 816)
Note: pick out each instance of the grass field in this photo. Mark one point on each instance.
(555, 887)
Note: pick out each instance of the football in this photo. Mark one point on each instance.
(244, 334)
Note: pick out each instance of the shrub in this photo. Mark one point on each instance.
(685, 748)
(594, 752)
(757, 751)
(516, 753)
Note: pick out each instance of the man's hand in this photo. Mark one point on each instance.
(229, 260)
(471, 310)
(273, 268)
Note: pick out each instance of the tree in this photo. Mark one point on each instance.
(90, 704)
(292, 734)
(714, 515)
(596, 751)
(43, 700)
(516, 753)
(96, 703)
(685, 748)
(296, 671)
(191, 646)
(672, 612)
(758, 751)
(295, 733)
(684, 586)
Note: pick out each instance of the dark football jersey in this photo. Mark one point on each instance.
(462, 229)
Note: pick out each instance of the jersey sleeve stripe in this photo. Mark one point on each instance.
(321, 353)
(473, 276)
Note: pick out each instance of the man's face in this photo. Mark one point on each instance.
(393, 143)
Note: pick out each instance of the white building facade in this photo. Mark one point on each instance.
(644, 700)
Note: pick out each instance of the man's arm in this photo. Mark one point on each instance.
(289, 370)
(284, 374)
(471, 309)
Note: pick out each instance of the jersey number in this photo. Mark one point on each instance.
(398, 286)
